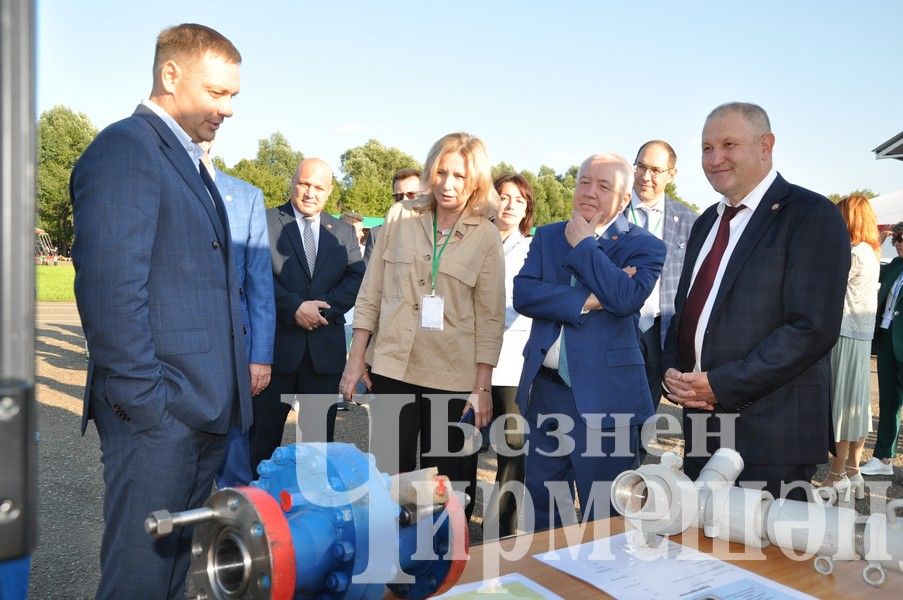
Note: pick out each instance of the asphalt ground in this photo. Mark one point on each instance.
(65, 563)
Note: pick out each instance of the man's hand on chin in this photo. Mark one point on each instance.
(578, 228)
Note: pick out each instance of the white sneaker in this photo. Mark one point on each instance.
(875, 467)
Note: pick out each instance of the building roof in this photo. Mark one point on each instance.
(892, 148)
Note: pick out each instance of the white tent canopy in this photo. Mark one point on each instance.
(889, 207)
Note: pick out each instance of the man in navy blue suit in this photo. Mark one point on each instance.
(317, 270)
(757, 310)
(251, 253)
(583, 389)
(157, 294)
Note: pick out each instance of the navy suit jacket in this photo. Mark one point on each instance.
(337, 276)
(604, 358)
(155, 283)
(776, 316)
(251, 253)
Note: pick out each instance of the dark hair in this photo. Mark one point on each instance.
(404, 173)
(190, 40)
(672, 156)
(525, 190)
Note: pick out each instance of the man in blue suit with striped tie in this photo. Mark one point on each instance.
(583, 389)
(251, 253)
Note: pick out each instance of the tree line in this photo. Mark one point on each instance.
(365, 187)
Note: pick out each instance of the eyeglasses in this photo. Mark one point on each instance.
(653, 171)
(401, 196)
(898, 238)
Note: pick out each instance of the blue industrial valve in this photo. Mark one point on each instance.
(322, 522)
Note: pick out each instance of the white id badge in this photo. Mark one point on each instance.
(432, 309)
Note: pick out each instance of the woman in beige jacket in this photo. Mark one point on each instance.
(430, 312)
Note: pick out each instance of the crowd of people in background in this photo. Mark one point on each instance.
(207, 310)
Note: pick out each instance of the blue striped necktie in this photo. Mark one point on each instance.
(563, 370)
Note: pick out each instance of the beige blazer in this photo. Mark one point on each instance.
(471, 279)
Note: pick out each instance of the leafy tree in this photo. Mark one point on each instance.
(63, 136)
(552, 196)
(835, 198)
(502, 168)
(368, 173)
(671, 190)
(335, 197)
(271, 170)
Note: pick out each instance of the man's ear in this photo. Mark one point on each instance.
(767, 144)
(170, 74)
(625, 201)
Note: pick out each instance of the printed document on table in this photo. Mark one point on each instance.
(627, 570)
(507, 587)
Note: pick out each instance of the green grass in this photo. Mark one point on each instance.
(55, 283)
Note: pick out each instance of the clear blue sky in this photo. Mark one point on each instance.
(541, 82)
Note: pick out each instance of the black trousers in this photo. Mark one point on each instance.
(270, 412)
(503, 506)
(651, 346)
(414, 420)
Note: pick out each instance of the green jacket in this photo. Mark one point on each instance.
(889, 274)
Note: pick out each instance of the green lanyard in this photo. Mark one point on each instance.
(438, 255)
(648, 218)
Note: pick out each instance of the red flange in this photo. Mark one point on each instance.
(279, 539)
(459, 543)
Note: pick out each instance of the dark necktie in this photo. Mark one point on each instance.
(699, 292)
(214, 193)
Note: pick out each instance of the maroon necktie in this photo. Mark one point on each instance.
(700, 290)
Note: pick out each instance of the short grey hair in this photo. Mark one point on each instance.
(754, 114)
(624, 168)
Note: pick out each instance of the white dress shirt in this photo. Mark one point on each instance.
(194, 151)
(517, 327)
(652, 219)
(737, 226)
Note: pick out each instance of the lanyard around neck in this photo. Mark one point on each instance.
(648, 219)
(438, 255)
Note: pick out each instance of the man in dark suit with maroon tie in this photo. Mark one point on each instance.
(758, 309)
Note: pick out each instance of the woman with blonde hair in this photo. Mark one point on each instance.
(430, 312)
(850, 368)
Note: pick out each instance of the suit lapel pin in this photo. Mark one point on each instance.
(328, 226)
(614, 237)
(775, 206)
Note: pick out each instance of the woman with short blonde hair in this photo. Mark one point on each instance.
(430, 311)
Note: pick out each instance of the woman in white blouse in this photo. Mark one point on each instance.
(514, 221)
